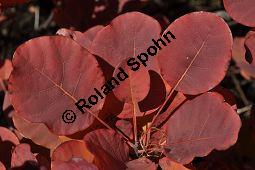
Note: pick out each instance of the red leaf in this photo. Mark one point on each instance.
(241, 11)
(6, 69)
(201, 125)
(247, 70)
(109, 149)
(84, 39)
(55, 72)
(76, 36)
(75, 164)
(90, 34)
(7, 135)
(135, 88)
(141, 163)
(37, 132)
(2, 167)
(126, 36)
(167, 164)
(177, 100)
(126, 127)
(22, 156)
(66, 151)
(154, 99)
(7, 141)
(205, 41)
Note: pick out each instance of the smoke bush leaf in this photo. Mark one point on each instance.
(109, 149)
(199, 57)
(49, 78)
(241, 11)
(126, 36)
(201, 125)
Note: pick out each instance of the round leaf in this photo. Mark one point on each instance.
(109, 149)
(197, 60)
(201, 125)
(135, 88)
(50, 75)
(241, 11)
(126, 36)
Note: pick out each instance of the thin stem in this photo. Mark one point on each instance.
(3, 86)
(244, 109)
(158, 112)
(37, 18)
(135, 122)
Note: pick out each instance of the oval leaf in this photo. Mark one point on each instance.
(135, 88)
(241, 11)
(54, 71)
(203, 43)
(71, 149)
(37, 132)
(247, 70)
(201, 125)
(126, 36)
(109, 149)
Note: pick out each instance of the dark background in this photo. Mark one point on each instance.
(35, 18)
